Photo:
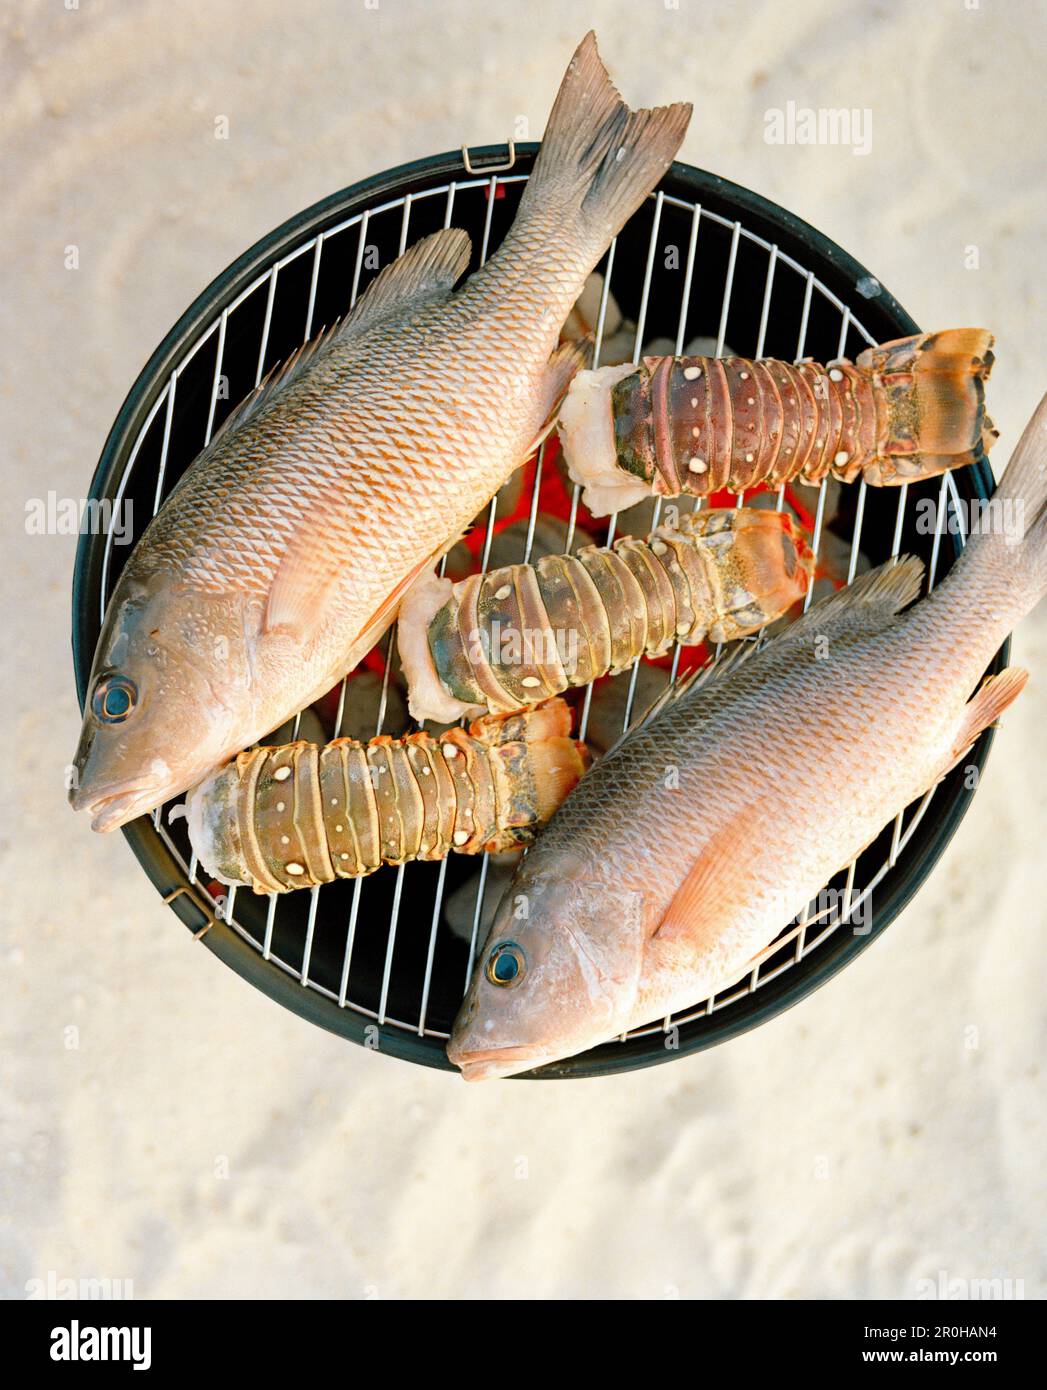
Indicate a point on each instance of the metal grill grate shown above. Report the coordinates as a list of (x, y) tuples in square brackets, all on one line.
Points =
[(381, 947)]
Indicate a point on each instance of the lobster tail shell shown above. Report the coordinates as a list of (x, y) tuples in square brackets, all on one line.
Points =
[(905, 410), (523, 633), (699, 424), (297, 815)]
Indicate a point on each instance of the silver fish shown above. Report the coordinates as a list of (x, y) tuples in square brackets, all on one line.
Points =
[(282, 554), (687, 849)]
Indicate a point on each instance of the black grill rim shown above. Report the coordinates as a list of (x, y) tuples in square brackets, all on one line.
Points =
[(883, 316)]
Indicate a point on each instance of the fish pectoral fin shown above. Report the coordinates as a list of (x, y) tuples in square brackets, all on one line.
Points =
[(688, 915), (301, 588), (986, 705), (560, 370), (684, 913), (425, 272), (305, 580)]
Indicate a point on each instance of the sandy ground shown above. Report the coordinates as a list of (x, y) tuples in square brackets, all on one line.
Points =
[(165, 1124)]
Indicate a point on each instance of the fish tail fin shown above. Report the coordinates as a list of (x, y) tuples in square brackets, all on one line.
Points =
[(599, 159), (933, 385), (1007, 548)]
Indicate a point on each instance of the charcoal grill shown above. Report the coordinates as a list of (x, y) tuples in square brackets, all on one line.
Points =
[(375, 960)]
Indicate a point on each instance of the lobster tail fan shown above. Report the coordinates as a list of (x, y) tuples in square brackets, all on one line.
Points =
[(933, 386)]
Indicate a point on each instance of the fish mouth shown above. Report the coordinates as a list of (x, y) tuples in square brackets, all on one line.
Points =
[(117, 805), (485, 1065)]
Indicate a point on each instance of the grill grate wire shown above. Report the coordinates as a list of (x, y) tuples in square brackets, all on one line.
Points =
[(949, 510)]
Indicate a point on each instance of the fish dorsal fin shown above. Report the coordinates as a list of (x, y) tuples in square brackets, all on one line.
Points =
[(690, 680), (672, 692), (868, 603), (279, 376), (713, 670), (426, 272)]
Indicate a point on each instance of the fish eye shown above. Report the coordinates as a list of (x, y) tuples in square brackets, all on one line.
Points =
[(505, 964), (113, 699)]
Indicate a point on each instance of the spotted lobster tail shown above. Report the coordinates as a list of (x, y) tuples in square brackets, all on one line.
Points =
[(671, 425), (931, 393), (599, 159), (521, 633), (296, 815)]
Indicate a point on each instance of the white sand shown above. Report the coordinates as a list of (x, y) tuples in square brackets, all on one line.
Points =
[(852, 1147)]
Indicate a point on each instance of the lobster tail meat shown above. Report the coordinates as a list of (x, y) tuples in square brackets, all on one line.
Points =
[(297, 815), (521, 633), (906, 410)]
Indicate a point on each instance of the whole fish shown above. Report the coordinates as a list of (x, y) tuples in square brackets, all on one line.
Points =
[(688, 848), (281, 556)]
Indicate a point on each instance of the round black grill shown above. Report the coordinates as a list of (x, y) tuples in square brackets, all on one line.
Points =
[(376, 960)]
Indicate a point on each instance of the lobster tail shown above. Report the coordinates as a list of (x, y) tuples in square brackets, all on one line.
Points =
[(931, 393), (521, 633), (671, 425), (297, 815)]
